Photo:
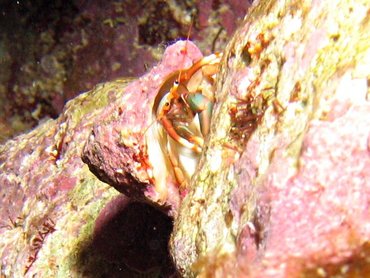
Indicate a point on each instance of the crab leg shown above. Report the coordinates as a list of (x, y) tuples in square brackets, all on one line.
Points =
[(194, 143), (175, 90), (202, 106), (213, 59), (198, 104)]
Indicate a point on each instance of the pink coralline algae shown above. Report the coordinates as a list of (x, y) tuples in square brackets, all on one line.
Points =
[(45, 181), (283, 188), (320, 213)]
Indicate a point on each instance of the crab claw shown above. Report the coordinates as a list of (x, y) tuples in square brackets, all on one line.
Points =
[(202, 106), (192, 142)]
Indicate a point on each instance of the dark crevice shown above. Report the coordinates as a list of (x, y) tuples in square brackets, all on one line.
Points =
[(130, 240)]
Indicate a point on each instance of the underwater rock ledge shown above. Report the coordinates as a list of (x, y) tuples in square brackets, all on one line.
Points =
[(283, 186), (51, 201), (282, 189)]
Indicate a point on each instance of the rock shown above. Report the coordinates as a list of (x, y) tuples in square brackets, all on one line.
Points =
[(51, 200), (283, 188)]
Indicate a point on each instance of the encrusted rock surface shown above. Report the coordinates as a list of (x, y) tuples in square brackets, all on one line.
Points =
[(283, 187), (283, 184), (51, 200)]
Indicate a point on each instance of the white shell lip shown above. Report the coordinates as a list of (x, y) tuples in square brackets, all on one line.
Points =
[(159, 144)]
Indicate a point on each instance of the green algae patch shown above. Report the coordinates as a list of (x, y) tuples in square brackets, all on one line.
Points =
[(88, 189), (55, 198), (61, 255), (92, 102)]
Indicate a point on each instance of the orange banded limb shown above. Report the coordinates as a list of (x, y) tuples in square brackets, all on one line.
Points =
[(190, 141), (209, 63)]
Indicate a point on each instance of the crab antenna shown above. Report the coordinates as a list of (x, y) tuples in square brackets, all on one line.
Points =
[(184, 52)]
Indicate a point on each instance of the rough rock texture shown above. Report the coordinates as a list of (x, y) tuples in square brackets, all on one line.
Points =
[(51, 201), (58, 218), (283, 188)]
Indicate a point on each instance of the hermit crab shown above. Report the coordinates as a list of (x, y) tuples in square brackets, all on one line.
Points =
[(182, 112)]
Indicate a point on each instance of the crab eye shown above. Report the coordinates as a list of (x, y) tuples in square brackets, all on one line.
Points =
[(166, 106), (176, 82)]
